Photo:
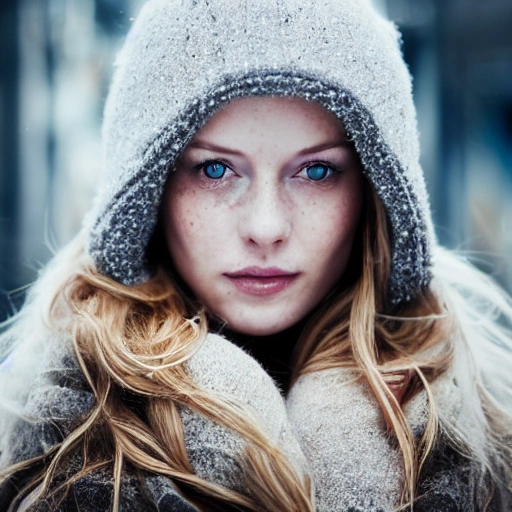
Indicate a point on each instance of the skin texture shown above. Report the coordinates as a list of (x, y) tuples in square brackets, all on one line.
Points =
[(263, 244)]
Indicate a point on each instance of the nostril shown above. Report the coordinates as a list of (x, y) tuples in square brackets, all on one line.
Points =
[(262, 241)]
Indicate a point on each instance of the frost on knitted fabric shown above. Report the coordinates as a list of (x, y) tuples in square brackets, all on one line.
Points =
[(214, 450), (354, 464), (184, 60)]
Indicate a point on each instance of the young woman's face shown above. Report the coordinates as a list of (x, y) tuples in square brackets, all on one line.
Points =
[(261, 211)]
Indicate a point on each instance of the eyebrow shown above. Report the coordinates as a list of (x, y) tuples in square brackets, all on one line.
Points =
[(199, 144), (343, 143)]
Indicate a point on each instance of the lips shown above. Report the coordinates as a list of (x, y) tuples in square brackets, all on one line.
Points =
[(261, 282)]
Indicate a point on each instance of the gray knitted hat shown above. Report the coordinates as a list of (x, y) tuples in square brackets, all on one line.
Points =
[(185, 59)]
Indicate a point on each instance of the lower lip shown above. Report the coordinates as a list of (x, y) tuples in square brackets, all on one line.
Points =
[(262, 286)]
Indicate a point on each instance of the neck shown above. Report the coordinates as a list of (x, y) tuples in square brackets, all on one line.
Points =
[(274, 352)]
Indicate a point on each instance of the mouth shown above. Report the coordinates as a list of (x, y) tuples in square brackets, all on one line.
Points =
[(261, 282)]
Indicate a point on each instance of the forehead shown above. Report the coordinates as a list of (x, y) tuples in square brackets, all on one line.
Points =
[(281, 119)]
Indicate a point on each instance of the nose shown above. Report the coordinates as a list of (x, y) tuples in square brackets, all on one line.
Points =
[(267, 218)]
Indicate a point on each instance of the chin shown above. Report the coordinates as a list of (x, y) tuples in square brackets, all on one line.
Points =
[(261, 328)]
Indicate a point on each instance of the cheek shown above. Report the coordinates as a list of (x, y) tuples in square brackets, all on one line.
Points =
[(180, 215), (194, 224), (332, 223), (183, 221), (334, 217), (348, 214)]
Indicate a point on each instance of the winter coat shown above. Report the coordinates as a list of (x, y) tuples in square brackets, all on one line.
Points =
[(354, 463), (60, 398)]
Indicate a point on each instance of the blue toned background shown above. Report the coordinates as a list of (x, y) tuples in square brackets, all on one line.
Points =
[(56, 59)]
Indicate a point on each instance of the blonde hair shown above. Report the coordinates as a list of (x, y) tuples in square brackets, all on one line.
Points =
[(138, 338), (134, 340)]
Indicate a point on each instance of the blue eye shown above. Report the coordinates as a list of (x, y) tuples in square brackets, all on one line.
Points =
[(214, 170), (318, 172)]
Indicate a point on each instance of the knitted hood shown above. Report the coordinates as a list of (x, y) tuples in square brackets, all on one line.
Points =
[(184, 59)]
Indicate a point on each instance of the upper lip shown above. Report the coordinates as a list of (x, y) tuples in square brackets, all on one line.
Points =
[(261, 272)]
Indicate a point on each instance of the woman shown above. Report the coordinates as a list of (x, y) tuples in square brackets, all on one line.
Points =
[(262, 182)]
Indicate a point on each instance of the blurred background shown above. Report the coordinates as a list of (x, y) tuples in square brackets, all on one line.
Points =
[(56, 60)]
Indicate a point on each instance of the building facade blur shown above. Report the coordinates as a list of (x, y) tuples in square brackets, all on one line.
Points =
[(56, 60)]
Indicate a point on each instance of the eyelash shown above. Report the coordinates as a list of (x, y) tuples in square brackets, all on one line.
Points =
[(329, 167), (203, 165)]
